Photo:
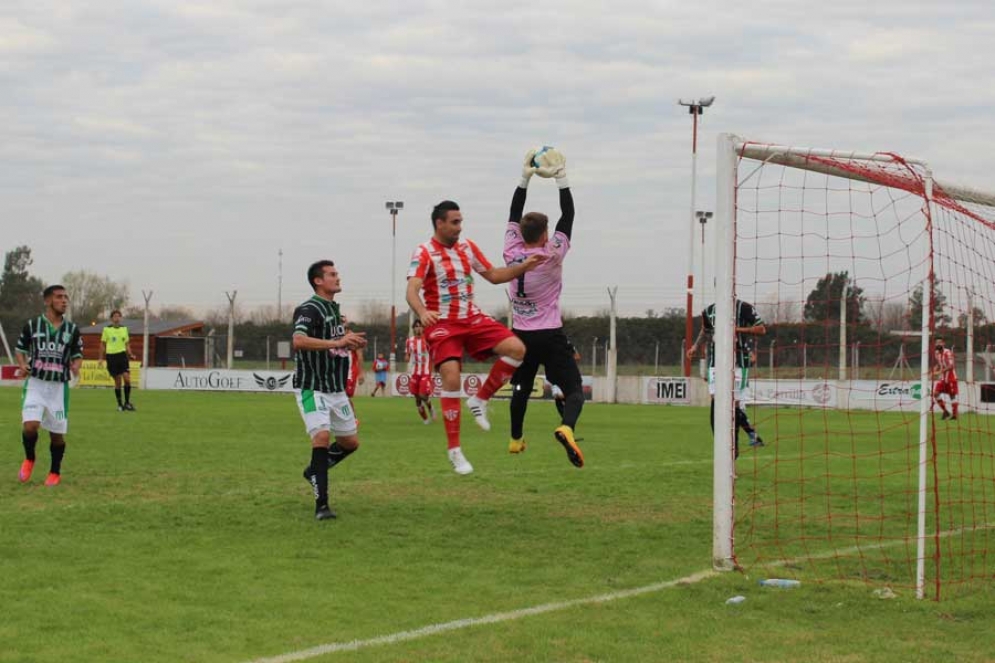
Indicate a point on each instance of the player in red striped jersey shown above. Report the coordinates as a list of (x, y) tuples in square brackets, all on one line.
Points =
[(442, 268), (945, 375), (420, 371)]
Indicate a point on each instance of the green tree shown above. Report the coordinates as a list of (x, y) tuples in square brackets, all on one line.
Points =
[(823, 303), (979, 318), (940, 316), (20, 293), (92, 297)]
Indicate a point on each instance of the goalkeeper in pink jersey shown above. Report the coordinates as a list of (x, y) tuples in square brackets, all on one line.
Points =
[(535, 304)]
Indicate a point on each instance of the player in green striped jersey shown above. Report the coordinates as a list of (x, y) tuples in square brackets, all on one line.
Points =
[(749, 325), (49, 350), (321, 352)]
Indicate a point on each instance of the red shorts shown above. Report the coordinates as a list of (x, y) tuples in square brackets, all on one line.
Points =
[(421, 385), (448, 339), (948, 387)]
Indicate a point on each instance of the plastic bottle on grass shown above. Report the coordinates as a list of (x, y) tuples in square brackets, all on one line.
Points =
[(735, 599), (779, 582)]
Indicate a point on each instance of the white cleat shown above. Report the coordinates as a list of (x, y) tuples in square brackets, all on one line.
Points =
[(478, 409), (460, 464)]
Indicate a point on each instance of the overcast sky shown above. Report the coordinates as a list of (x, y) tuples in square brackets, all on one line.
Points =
[(179, 145)]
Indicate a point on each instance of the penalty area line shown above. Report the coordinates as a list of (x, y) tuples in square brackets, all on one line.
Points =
[(434, 629)]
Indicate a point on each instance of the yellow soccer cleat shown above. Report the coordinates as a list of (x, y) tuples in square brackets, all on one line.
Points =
[(516, 446), (565, 436)]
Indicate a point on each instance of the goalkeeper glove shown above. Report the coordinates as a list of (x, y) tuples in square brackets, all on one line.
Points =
[(553, 164), (528, 170)]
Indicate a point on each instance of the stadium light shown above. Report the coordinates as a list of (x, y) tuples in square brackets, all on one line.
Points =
[(695, 108), (393, 206)]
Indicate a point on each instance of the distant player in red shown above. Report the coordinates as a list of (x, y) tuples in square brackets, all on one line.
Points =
[(380, 366), (355, 374), (420, 371), (443, 268), (945, 375)]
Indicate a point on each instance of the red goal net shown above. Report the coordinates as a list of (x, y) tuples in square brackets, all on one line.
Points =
[(878, 462)]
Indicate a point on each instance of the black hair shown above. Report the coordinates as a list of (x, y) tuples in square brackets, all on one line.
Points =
[(439, 211), (115, 311), (51, 289), (316, 270)]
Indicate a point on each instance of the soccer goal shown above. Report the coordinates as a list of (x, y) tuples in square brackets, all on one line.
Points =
[(858, 263)]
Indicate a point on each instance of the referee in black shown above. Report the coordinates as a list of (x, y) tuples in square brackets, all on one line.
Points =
[(321, 352)]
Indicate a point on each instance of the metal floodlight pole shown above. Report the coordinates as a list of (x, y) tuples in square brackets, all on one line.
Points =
[(703, 218), (393, 206), (695, 108), (279, 285)]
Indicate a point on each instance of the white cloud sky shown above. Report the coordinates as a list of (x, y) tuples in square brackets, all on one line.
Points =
[(179, 145)]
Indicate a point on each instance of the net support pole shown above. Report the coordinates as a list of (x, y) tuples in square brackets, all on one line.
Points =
[(725, 255), (843, 333), (927, 397), (969, 349)]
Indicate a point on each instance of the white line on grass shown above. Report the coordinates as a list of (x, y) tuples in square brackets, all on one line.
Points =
[(434, 629)]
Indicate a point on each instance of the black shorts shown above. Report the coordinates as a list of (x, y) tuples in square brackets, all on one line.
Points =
[(117, 364), (552, 349)]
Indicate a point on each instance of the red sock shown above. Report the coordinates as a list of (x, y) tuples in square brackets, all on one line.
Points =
[(451, 412), (943, 406), (422, 413), (955, 406), (501, 372)]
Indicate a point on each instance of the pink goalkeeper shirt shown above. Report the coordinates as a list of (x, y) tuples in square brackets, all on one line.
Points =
[(535, 295)]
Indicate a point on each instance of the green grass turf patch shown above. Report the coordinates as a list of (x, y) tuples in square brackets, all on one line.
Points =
[(184, 532)]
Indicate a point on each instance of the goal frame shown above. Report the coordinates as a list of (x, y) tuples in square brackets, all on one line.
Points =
[(732, 151)]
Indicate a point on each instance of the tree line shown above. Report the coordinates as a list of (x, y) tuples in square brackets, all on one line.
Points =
[(647, 340)]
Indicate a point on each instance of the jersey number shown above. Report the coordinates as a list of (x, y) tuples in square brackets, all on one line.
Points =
[(521, 287)]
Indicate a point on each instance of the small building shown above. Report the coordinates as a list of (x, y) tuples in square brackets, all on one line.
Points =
[(171, 342)]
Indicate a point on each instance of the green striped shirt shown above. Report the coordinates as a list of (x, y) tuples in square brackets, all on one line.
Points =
[(746, 316), (50, 350), (320, 370)]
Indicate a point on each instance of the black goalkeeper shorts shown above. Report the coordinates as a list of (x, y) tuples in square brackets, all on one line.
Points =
[(552, 349)]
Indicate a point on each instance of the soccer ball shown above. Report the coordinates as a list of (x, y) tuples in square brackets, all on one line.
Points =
[(540, 151)]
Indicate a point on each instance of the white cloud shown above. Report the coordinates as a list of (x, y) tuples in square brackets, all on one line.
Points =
[(207, 135)]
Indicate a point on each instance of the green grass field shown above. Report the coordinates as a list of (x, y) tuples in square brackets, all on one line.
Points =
[(184, 532)]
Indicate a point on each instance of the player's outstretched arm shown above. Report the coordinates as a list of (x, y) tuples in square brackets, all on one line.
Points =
[(566, 223), (497, 275), (753, 330), (518, 198)]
